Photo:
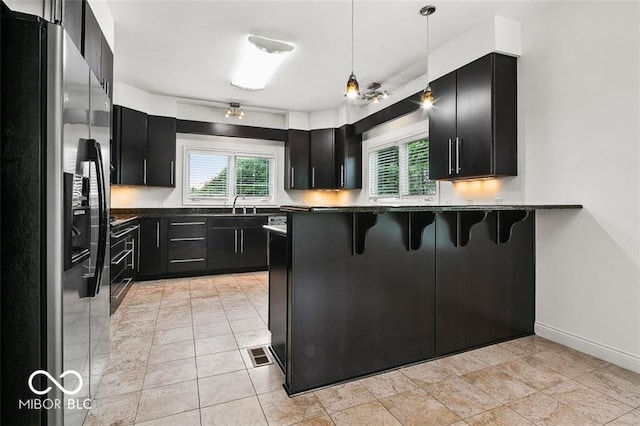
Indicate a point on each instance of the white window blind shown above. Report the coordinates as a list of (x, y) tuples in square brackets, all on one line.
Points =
[(415, 169), (254, 176), (208, 176), (384, 172)]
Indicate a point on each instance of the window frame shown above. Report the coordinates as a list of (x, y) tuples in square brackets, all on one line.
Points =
[(403, 167), (228, 200)]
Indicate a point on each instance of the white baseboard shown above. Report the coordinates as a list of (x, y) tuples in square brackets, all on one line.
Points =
[(598, 350)]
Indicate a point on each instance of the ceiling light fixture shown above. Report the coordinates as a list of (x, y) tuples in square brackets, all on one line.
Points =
[(234, 110), (259, 58), (353, 89), (374, 93), (427, 99)]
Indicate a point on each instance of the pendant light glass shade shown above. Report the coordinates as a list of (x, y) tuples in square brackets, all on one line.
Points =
[(353, 88), (427, 99)]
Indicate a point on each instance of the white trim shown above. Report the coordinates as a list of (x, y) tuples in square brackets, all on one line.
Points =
[(604, 352)]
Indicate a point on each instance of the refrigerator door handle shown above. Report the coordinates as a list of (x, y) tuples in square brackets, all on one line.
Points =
[(95, 155)]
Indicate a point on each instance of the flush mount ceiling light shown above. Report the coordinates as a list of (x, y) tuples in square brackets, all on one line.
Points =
[(353, 89), (234, 110), (259, 58), (427, 99), (374, 93)]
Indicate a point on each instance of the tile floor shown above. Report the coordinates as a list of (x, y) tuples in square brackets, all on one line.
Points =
[(177, 358)]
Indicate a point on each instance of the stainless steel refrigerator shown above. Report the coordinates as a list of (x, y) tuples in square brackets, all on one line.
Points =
[(54, 185)]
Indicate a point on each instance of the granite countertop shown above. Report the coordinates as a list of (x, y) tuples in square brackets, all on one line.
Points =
[(276, 229), (127, 214), (434, 208)]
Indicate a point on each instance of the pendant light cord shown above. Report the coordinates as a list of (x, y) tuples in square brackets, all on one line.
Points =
[(427, 50), (352, 36)]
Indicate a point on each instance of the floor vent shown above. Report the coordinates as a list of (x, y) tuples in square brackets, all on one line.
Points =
[(259, 357)]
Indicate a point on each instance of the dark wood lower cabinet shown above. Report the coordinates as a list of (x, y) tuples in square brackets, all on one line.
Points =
[(278, 296), (253, 247), (153, 247), (223, 246)]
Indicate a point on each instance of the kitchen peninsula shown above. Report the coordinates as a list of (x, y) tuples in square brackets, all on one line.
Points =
[(361, 289)]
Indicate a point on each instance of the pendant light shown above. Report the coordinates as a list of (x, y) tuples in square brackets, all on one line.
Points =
[(353, 89), (427, 99)]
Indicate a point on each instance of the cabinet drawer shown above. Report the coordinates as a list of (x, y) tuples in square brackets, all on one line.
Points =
[(189, 228), (223, 222), (187, 243), (187, 260), (252, 222)]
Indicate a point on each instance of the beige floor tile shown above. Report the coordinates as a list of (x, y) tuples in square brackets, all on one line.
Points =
[(224, 387), (208, 316), (189, 418), (250, 339), (282, 410), (532, 372), (493, 355), (247, 324), (461, 397), (593, 404), (543, 409), (414, 406), (629, 419), (120, 382), (429, 372), (220, 363), (119, 409), (498, 384), (237, 314), (167, 400), (530, 345), (206, 303), (174, 318), (128, 343), (167, 373), (138, 328), (212, 345), (173, 335), (202, 331), (501, 416), (570, 364), (128, 360), (372, 413), (341, 397), (174, 303), (387, 384), (171, 352), (198, 292), (317, 421), (616, 382), (140, 314), (463, 363), (246, 412), (267, 378)]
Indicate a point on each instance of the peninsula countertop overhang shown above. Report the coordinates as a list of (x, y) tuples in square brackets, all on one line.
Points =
[(433, 208)]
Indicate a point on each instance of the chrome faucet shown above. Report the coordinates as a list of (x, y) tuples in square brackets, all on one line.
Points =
[(233, 209)]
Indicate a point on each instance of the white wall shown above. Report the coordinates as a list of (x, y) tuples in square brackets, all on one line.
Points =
[(579, 88)]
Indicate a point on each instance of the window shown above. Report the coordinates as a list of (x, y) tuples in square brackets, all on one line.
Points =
[(401, 170), (217, 177)]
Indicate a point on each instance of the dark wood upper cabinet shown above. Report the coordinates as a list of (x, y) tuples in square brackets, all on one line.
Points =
[(161, 151), (321, 158), (348, 158), (296, 174), (92, 43), (473, 125), (130, 146), (73, 20), (107, 68)]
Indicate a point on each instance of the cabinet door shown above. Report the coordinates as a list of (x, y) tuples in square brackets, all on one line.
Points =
[(107, 68), (72, 21), (297, 159), (223, 246), (161, 151), (130, 136), (348, 158), (442, 128), (153, 247), (92, 45), (253, 248), (278, 295), (474, 118), (321, 159)]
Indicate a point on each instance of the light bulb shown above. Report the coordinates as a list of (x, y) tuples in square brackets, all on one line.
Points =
[(427, 100), (375, 100), (353, 89), (385, 95)]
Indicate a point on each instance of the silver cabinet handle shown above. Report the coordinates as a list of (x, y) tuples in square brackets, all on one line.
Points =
[(242, 241), (126, 282), (450, 163), (199, 259), (171, 176), (458, 143), (292, 177), (138, 252), (125, 232), (158, 234), (235, 242), (186, 223), (123, 255), (144, 168), (188, 239), (133, 254), (313, 177), (342, 175)]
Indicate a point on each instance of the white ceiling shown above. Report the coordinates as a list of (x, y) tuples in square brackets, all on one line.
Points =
[(187, 49)]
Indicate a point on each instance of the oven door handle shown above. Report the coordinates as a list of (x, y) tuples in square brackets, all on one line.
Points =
[(94, 154)]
